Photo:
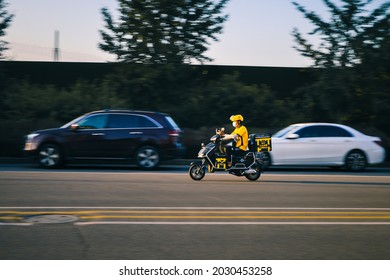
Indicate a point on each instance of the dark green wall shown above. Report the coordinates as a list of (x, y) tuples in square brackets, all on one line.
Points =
[(282, 80)]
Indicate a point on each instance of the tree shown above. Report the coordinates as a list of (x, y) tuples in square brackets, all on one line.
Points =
[(5, 21), (353, 63), (347, 36), (162, 31)]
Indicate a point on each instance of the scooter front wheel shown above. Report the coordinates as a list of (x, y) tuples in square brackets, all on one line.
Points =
[(197, 172)]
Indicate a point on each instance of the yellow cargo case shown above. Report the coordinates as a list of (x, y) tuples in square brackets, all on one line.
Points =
[(260, 142)]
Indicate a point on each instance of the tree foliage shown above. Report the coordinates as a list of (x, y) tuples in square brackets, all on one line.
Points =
[(353, 61), (162, 31), (349, 34), (5, 21)]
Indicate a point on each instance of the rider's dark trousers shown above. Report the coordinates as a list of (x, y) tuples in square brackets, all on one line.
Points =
[(233, 151)]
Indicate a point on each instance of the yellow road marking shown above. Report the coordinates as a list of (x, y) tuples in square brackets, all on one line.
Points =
[(201, 214), (185, 212), (11, 218), (234, 217)]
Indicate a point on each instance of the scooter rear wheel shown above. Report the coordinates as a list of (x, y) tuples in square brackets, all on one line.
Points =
[(254, 176), (197, 172)]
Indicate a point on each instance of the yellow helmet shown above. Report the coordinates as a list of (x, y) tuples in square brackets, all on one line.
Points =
[(235, 118)]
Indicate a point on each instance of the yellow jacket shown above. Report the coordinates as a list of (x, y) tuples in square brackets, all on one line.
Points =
[(242, 139)]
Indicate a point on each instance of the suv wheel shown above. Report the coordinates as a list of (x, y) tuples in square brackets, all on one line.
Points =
[(49, 156), (147, 157)]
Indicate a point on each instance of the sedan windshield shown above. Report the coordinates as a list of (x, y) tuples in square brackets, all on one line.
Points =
[(284, 131)]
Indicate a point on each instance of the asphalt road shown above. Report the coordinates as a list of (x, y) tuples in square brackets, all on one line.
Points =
[(89, 212)]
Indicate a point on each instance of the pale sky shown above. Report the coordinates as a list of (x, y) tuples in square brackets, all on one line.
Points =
[(258, 32)]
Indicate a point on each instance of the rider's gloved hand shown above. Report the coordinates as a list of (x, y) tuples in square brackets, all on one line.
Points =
[(220, 131)]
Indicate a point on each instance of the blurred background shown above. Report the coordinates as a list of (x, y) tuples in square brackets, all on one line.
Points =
[(164, 62)]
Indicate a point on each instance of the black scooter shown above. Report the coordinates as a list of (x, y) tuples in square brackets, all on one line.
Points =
[(214, 158)]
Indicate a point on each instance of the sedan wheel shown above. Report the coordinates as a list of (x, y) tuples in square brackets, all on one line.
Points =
[(265, 159), (147, 157), (49, 156), (356, 161)]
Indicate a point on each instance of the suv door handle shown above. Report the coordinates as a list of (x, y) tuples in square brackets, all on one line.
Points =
[(135, 132), (97, 134)]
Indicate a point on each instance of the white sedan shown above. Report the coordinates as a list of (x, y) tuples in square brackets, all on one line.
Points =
[(324, 144)]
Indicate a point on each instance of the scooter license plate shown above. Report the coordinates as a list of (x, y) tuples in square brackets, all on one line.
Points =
[(220, 163)]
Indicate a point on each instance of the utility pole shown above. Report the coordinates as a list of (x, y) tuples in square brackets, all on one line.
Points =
[(56, 45)]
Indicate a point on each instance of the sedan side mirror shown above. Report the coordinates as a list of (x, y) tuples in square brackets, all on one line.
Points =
[(292, 136), (74, 126)]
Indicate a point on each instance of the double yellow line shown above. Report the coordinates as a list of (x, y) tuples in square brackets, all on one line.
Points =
[(95, 215)]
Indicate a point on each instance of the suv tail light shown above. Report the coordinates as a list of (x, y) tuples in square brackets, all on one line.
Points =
[(174, 133)]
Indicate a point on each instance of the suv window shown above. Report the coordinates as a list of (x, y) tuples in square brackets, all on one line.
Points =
[(323, 131), (93, 122), (130, 121), (172, 122)]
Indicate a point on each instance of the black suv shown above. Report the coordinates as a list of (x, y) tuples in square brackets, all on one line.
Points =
[(147, 137)]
